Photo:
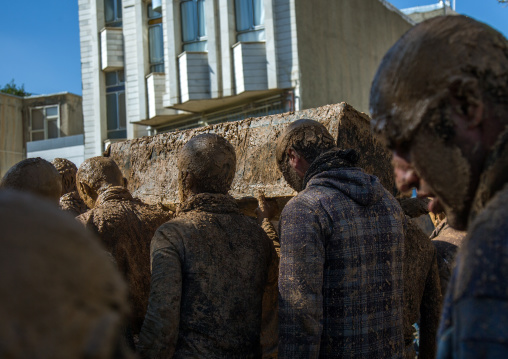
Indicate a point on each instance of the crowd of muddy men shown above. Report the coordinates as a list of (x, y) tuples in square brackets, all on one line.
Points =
[(89, 271)]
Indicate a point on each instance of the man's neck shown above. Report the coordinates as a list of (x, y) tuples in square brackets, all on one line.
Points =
[(494, 176)]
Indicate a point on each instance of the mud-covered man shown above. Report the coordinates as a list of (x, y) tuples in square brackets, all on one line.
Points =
[(61, 295), (340, 279), (211, 266), (70, 201), (440, 101), (124, 225)]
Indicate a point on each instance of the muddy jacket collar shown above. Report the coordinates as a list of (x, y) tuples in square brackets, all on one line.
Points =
[(335, 158), (114, 193), (210, 202)]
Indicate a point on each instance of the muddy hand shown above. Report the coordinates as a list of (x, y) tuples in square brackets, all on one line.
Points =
[(265, 209)]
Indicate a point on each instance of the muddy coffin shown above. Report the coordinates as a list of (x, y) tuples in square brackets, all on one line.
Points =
[(149, 163)]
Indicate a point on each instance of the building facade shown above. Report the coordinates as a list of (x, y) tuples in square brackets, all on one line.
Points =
[(46, 126), (152, 66)]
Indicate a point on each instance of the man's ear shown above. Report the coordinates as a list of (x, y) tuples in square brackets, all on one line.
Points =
[(467, 102), (293, 157), (297, 162), (190, 182), (88, 192)]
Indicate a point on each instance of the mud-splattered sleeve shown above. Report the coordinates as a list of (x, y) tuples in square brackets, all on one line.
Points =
[(159, 334), (430, 312), (301, 281), (271, 233)]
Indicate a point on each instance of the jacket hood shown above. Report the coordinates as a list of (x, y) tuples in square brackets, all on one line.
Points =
[(332, 170)]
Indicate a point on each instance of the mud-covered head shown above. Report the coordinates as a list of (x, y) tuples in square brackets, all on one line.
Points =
[(61, 295), (95, 175), (436, 91), (441, 56), (207, 163), (309, 139), (34, 175), (67, 170)]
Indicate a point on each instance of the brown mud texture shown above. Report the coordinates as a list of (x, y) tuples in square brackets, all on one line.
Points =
[(149, 163), (422, 290), (125, 227), (447, 242)]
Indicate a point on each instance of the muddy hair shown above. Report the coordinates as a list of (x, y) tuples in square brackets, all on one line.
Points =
[(67, 170), (34, 175), (307, 137), (99, 172), (211, 160)]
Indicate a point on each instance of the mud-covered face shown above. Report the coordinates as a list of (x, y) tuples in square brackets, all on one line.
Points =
[(87, 194), (437, 168), (294, 181)]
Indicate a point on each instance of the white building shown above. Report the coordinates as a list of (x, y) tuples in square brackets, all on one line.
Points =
[(157, 65)]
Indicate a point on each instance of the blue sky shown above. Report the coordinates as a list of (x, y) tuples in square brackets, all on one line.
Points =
[(39, 39)]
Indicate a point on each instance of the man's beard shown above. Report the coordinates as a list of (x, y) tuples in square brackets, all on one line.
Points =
[(292, 179)]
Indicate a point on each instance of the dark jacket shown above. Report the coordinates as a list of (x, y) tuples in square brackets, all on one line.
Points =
[(125, 227), (474, 323), (211, 268), (340, 280), (422, 292)]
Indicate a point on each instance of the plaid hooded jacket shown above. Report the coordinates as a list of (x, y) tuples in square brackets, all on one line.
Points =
[(340, 279)]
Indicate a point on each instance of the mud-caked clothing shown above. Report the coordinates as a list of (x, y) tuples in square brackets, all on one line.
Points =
[(72, 203), (422, 292), (474, 323), (447, 242), (125, 227), (341, 267), (211, 268)]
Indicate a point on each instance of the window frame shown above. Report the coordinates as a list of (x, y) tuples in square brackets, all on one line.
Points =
[(46, 119), (117, 89), (198, 39), (252, 27), (155, 21), (117, 14)]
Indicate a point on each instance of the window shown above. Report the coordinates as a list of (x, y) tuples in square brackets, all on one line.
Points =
[(193, 25), (155, 40), (115, 104), (113, 12), (44, 123), (250, 20)]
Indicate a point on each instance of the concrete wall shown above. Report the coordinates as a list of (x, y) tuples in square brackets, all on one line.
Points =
[(340, 45), (250, 66), (70, 147), (194, 76), (12, 148)]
